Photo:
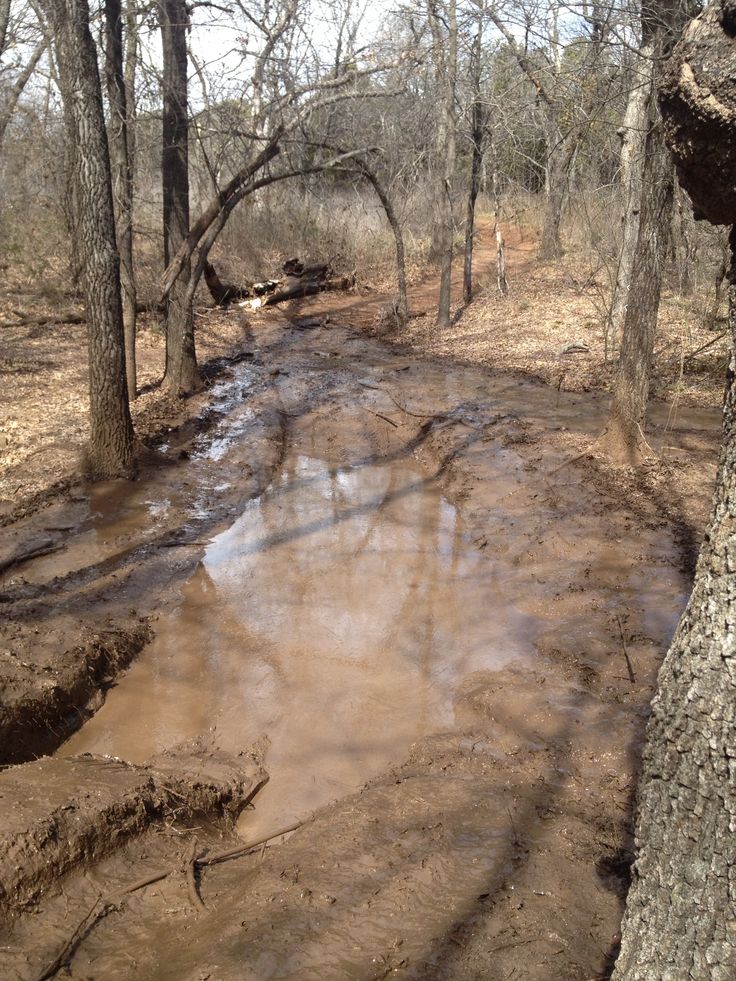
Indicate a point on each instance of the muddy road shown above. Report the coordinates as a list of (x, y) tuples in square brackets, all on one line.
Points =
[(380, 583)]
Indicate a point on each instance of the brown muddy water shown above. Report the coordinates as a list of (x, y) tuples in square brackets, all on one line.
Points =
[(334, 619), (428, 597), (338, 619)]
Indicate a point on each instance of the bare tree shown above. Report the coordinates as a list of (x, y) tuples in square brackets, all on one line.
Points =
[(478, 124), (640, 278), (442, 17), (110, 451), (12, 97), (122, 178), (182, 374), (567, 97)]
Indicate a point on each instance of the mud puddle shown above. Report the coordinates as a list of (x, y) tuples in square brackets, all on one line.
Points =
[(335, 618), (428, 593)]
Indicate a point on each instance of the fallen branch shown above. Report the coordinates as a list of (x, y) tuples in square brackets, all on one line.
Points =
[(629, 666), (704, 347), (379, 415), (98, 912), (29, 320), (415, 415), (226, 293), (39, 320), (299, 287), (244, 849), (103, 906)]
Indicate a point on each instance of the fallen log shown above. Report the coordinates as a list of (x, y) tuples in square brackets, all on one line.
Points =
[(300, 279), (296, 288), (296, 269), (226, 293)]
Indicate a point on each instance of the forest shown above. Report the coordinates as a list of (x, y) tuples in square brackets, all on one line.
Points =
[(368, 489)]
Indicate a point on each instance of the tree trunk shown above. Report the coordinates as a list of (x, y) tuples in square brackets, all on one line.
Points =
[(476, 136), (182, 375), (122, 178), (110, 452), (684, 251), (501, 280), (393, 220), (70, 198), (624, 438), (633, 137), (560, 153), (711, 317), (445, 52), (679, 920)]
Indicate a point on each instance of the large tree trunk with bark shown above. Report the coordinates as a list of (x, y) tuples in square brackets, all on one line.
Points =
[(122, 179), (624, 439), (110, 451), (182, 374), (679, 920)]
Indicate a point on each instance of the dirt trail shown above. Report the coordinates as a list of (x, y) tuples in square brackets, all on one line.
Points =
[(499, 839), (357, 565)]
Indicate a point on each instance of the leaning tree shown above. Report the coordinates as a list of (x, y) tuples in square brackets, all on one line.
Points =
[(680, 920)]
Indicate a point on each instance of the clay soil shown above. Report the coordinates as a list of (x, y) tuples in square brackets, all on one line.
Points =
[(496, 847)]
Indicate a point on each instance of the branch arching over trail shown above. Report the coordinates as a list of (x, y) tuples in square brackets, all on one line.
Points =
[(225, 200)]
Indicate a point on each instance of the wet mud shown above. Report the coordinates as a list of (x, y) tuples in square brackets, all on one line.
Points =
[(438, 634)]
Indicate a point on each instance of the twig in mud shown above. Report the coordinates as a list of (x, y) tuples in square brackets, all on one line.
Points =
[(243, 849), (104, 906), (378, 415), (416, 415), (629, 667), (191, 869), (98, 912), (176, 544)]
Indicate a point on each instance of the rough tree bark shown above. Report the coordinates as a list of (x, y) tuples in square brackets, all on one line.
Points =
[(110, 451), (561, 149), (633, 144), (182, 374), (623, 439), (122, 179), (679, 921)]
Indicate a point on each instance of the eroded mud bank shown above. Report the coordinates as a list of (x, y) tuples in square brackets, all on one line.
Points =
[(426, 595)]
